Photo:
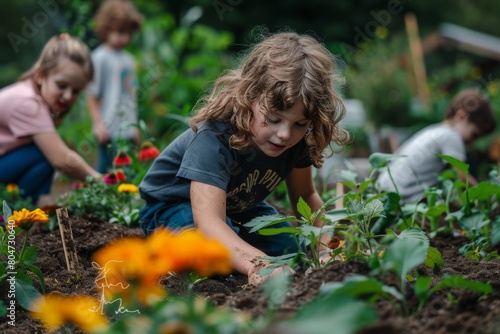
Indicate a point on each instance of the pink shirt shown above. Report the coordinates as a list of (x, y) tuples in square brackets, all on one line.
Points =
[(23, 113)]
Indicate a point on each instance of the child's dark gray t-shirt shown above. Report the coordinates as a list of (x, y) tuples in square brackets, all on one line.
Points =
[(248, 176)]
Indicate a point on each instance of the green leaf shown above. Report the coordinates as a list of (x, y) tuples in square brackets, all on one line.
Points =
[(495, 231), (336, 214), (474, 222), (342, 313), (279, 230), (379, 160), (307, 230), (3, 309), (422, 285), (7, 212), (415, 233), (304, 209), (404, 254), (264, 221), (360, 286), (373, 209), (275, 289), (436, 211), (484, 191), (29, 255), (460, 165), (26, 294), (434, 258), (460, 282), (34, 269)]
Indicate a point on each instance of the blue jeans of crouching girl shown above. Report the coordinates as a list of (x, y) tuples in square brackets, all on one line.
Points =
[(27, 167), (180, 215)]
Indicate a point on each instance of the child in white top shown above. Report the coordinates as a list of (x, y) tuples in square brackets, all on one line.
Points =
[(468, 117)]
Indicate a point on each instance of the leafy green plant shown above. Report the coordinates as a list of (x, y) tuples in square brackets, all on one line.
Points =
[(405, 252), (17, 263), (360, 240), (12, 194), (305, 230), (103, 200), (424, 291)]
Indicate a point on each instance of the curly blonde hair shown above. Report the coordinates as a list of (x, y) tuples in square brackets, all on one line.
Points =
[(116, 15), (279, 71)]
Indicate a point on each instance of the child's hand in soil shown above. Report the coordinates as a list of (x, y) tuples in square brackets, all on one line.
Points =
[(254, 278)]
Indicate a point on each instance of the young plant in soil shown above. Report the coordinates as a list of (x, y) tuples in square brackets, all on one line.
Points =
[(307, 234), (403, 255)]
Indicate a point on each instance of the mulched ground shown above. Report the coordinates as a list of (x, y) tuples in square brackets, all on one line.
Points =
[(467, 314)]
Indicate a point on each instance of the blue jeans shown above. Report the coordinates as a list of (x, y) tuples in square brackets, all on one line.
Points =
[(180, 215), (104, 157), (27, 167)]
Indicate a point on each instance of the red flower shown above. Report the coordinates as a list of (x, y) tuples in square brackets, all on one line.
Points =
[(122, 159), (148, 151), (110, 178), (114, 177)]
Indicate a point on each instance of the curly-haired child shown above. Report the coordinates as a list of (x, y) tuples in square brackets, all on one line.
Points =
[(265, 122)]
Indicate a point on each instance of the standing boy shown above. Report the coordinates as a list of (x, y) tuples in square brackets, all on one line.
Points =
[(111, 97)]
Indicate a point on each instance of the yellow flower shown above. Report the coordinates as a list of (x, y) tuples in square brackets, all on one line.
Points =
[(128, 188), (55, 310), (25, 218)]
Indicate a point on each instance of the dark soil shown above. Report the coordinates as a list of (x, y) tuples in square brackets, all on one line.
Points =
[(467, 314)]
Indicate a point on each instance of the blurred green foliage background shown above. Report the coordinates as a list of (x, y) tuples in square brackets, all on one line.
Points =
[(185, 45)]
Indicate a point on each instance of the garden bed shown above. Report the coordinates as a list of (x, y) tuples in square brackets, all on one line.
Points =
[(452, 311)]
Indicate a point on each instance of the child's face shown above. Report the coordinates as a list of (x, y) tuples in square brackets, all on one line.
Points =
[(284, 129), (61, 87), (118, 39), (469, 131)]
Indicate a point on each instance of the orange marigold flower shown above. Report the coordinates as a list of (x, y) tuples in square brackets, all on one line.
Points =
[(55, 310), (121, 260), (12, 188), (25, 218), (194, 252), (148, 151), (122, 159), (128, 271), (128, 188)]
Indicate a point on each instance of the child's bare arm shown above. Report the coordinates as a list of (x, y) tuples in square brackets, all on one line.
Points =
[(94, 106), (209, 212), (62, 158)]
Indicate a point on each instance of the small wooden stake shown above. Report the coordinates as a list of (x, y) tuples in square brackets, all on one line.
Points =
[(67, 239), (417, 57), (339, 191)]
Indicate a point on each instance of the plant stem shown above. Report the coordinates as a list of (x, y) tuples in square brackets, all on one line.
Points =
[(25, 242), (392, 180)]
